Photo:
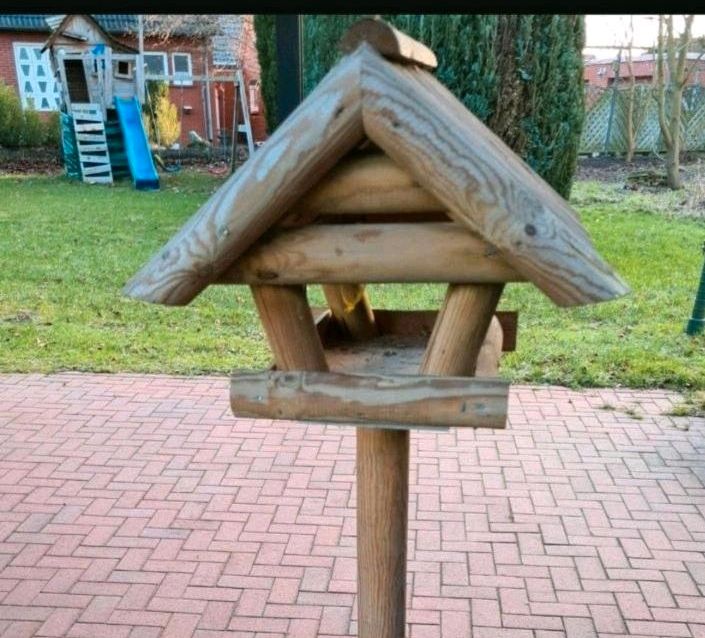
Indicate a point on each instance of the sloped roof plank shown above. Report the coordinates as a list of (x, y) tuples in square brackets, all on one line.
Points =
[(484, 184), (324, 127)]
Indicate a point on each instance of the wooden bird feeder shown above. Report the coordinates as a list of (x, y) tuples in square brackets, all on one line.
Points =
[(381, 175)]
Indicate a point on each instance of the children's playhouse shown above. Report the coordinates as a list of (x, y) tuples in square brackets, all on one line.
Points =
[(102, 131)]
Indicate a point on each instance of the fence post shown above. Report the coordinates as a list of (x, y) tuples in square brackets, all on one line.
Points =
[(617, 66)]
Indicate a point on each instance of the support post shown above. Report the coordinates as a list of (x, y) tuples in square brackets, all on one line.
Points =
[(289, 326), (382, 514), (139, 71), (351, 308), (209, 108), (490, 351), (460, 329), (383, 467)]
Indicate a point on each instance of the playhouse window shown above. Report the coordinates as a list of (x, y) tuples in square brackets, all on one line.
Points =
[(155, 66), (123, 69), (183, 75)]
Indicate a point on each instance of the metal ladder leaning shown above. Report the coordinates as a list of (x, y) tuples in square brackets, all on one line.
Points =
[(91, 143)]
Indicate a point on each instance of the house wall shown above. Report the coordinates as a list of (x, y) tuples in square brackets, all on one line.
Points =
[(221, 92), (8, 73), (181, 96), (601, 74)]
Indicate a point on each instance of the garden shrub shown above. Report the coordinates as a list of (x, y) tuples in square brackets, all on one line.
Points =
[(168, 123), (267, 54), (11, 117), (52, 129), (25, 127), (520, 74), (34, 130), (163, 123)]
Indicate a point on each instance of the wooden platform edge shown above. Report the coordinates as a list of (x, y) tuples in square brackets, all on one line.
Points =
[(387, 400), (407, 323)]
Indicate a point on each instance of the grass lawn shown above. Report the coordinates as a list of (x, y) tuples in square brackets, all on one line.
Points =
[(66, 249)]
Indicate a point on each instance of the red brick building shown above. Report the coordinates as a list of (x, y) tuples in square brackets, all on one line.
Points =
[(200, 69), (602, 73)]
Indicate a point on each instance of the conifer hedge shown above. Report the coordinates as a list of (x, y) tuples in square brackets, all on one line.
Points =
[(520, 74)]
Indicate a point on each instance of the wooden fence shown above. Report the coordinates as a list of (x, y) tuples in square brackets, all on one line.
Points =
[(605, 128)]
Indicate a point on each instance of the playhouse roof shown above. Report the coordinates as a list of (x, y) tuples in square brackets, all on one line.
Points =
[(62, 31), (398, 105), (115, 23)]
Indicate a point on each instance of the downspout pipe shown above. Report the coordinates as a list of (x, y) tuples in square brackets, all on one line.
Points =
[(696, 325)]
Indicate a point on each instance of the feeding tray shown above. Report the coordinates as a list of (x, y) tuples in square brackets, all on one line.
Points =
[(376, 381)]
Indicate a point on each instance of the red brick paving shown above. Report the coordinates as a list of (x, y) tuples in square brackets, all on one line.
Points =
[(136, 506)]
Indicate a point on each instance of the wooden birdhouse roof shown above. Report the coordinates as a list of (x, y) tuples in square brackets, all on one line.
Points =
[(383, 92)]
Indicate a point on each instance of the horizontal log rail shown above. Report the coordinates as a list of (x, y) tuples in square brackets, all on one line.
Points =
[(371, 253), (371, 399)]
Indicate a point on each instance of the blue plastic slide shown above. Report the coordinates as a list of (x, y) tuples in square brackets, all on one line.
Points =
[(139, 155)]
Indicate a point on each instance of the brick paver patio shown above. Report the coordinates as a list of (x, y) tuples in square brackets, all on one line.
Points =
[(135, 506)]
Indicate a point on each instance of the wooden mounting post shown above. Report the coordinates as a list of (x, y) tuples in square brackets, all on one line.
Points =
[(383, 466), (491, 350), (382, 513), (288, 324), (460, 329), (351, 307)]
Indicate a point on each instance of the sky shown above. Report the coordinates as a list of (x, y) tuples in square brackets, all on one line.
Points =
[(611, 30)]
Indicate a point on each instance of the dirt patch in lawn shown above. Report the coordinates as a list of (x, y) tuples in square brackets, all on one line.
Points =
[(609, 169)]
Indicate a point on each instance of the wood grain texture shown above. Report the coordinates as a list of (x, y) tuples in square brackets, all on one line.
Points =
[(491, 350), (389, 42), (361, 184), (373, 399), (382, 515), (289, 326), (483, 184), (460, 329), (325, 126), (352, 253), (351, 308)]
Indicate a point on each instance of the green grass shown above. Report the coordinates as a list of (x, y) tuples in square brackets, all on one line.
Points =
[(66, 250)]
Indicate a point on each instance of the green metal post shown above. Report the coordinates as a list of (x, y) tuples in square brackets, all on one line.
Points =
[(697, 322)]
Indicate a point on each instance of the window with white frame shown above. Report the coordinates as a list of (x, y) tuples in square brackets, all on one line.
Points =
[(155, 65), (37, 86), (122, 69), (183, 73)]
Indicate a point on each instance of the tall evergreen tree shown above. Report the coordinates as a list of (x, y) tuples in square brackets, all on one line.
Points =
[(521, 75)]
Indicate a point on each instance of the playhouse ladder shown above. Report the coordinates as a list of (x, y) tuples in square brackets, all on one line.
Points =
[(92, 143), (246, 127)]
